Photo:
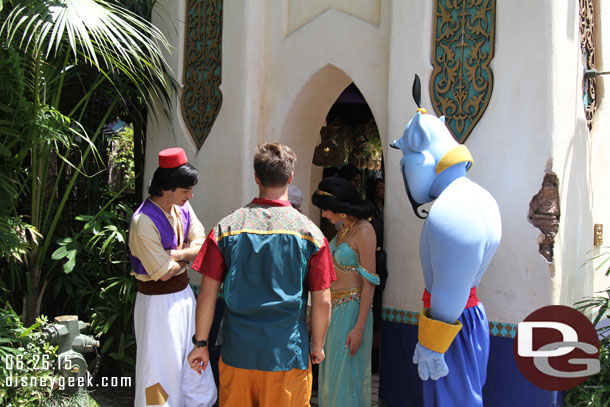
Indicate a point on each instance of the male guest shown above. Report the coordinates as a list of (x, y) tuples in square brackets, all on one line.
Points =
[(269, 257)]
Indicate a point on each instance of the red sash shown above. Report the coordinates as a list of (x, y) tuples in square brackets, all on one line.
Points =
[(472, 299)]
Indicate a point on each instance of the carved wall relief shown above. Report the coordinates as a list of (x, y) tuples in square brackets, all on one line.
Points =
[(544, 214), (463, 47), (201, 96), (587, 48)]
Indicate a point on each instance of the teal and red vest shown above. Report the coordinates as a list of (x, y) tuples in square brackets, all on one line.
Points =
[(268, 256)]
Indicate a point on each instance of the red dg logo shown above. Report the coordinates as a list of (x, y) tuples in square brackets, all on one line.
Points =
[(556, 348)]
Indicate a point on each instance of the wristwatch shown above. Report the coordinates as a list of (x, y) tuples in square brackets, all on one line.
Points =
[(199, 344)]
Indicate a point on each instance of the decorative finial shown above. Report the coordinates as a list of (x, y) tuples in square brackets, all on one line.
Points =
[(417, 91)]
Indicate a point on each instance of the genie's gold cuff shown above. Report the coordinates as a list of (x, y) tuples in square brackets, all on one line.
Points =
[(434, 334)]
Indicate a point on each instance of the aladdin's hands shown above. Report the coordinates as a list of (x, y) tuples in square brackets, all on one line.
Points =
[(176, 255), (354, 340), (198, 359), (430, 364)]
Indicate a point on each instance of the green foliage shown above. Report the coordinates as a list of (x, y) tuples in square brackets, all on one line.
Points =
[(26, 374), (72, 400), (27, 377), (97, 280), (112, 321), (121, 161), (64, 76), (595, 391), (16, 238)]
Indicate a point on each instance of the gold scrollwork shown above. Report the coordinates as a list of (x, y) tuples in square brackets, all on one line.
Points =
[(587, 47), (201, 97), (463, 47)]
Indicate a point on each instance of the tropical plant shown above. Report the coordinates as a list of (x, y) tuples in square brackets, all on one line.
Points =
[(114, 325), (26, 373), (595, 391), (99, 282), (121, 165), (69, 60)]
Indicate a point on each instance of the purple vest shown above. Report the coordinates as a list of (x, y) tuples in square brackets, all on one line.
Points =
[(168, 237)]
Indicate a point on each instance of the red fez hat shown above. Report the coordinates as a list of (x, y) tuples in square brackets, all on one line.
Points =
[(172, 157)]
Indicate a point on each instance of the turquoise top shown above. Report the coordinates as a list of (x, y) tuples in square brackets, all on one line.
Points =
[(344, 255)]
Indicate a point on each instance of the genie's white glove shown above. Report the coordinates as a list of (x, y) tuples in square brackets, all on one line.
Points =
[(430, 364)]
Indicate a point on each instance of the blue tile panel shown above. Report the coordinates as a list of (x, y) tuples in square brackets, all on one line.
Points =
[(410, 317)]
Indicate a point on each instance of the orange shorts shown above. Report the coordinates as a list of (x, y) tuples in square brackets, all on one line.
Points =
[(258, 388)]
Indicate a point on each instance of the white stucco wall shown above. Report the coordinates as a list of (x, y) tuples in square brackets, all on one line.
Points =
[(224, 161), (281, 73), (410, 54), (307, 70), (600, 149), (277, 86), (571, 158)]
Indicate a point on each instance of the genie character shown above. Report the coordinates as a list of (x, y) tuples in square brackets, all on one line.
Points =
[(460, 235)]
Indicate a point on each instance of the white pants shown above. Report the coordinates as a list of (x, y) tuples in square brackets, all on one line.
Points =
[(164, 326)]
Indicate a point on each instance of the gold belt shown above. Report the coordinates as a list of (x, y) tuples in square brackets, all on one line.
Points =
[(340, 297), (345, 269)]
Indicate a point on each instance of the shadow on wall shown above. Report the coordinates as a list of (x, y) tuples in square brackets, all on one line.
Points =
[(302, 124), (576, 228)]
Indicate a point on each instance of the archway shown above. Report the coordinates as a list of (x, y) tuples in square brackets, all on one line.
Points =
[(330, 93), (302, 124), (351, 148), (331, 108)]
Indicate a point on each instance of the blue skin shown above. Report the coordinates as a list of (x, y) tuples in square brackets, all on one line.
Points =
[(460, 234)]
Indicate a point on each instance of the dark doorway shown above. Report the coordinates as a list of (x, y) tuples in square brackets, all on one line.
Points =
[(351, 144)]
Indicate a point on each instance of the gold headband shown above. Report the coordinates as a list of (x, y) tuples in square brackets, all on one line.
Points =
[(324, 193), (456, 155)]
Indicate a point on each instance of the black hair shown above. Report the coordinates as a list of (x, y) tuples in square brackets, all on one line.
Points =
[(340, 196), (166, 179), (371, 190), (349, 171), (330, 172)]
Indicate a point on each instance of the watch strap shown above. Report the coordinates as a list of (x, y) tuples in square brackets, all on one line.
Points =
[(199, 344)]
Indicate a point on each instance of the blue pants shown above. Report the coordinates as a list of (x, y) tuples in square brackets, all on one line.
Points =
[(467, 361)]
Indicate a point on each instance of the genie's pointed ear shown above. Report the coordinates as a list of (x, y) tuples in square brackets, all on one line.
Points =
[(417, 135), (442, 119)]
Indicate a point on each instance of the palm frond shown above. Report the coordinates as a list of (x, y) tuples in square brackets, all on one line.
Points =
[(95, 32)]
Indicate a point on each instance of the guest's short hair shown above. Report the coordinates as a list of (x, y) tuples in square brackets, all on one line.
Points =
[(274, 164), (166, 179)]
